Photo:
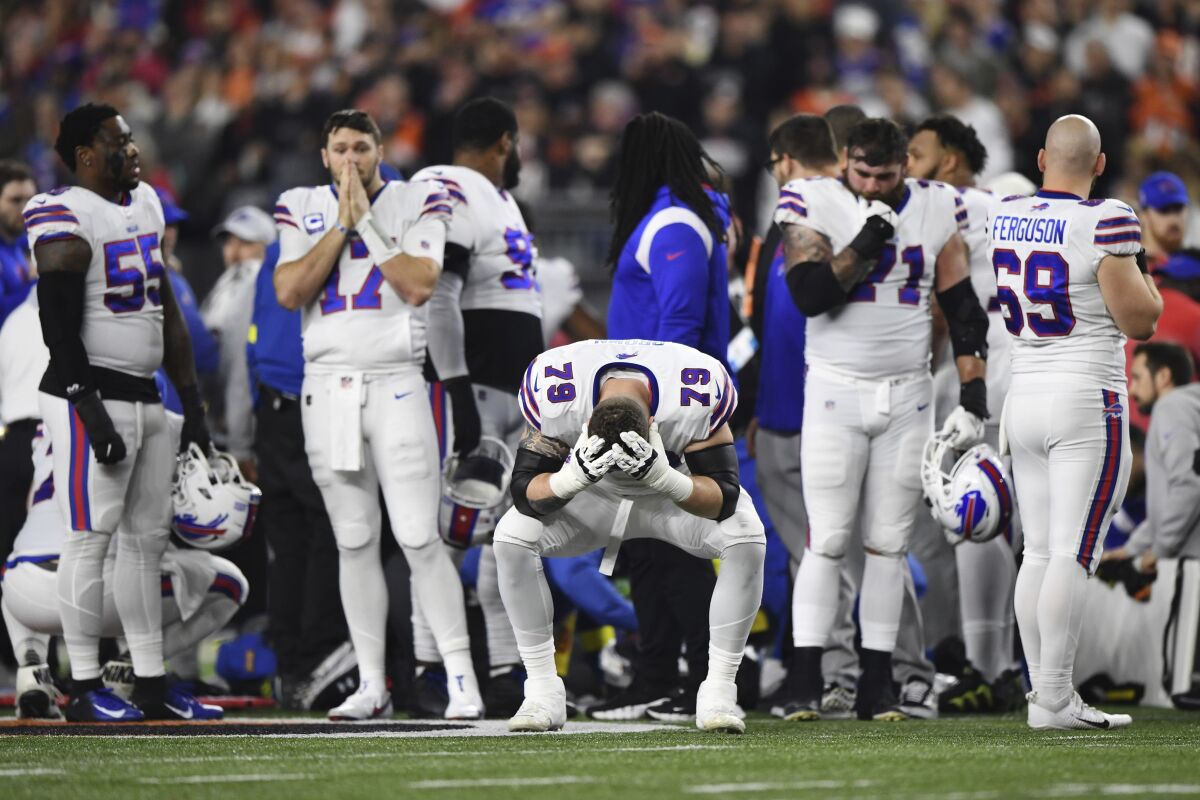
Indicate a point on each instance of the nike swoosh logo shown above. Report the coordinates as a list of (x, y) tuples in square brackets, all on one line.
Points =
[(623, 356), (1101, 725), (185, 714), (922, 406), (110, 714), (403, 395), (675, 255)]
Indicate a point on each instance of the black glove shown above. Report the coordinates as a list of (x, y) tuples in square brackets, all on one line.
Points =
[(195, 428), (972, 396), (875, 234), (467, 428), (107, 444), (1138, 585)]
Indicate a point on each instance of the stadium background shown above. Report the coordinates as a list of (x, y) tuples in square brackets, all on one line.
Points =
[(226, 97)]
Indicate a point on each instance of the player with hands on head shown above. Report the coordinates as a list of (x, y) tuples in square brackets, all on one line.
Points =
[(109, 319), (863, 259), (361, 259), (637, 402)]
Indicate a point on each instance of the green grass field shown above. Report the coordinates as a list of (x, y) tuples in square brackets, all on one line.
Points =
[(952, 759)]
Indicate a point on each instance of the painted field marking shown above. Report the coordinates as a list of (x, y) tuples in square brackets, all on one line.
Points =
[(261, 778), (23, 773), (469, 783), (735, 788)]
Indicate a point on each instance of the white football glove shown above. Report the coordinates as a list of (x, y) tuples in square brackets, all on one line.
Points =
[(878, 208), (962, 429), (646, 461), (588, 463)]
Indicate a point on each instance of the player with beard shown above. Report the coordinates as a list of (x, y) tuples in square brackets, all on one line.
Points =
[(867, 397), (946, 149), (109, 319), (485, 327), (361, 257)]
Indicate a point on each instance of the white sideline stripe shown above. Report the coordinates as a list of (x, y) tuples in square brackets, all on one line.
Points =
[(1119, 789), (262, 778), (733, 788), (557, 780), (22, 773)]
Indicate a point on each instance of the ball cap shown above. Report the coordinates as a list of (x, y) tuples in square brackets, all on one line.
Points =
[(1183, 266), (1161, 190), (248, 223)]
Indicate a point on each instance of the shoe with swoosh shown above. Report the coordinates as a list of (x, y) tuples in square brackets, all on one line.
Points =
[(180, 705), (1076, 715), (101, 705)]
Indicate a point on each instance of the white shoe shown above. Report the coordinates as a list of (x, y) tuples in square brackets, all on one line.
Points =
[(717, 708), (544, 709), (118, 676), (37, 696), (1075, 715), (369, 702), (465, 701)]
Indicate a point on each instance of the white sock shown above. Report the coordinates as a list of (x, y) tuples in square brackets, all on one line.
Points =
[(722, 664), (814, 599), (501, 641), (736, 597), (527, 600), (1025, 600), (1060, 617), (881, 601), (365, 602), (987, 573), (424, 645), (81, 599)]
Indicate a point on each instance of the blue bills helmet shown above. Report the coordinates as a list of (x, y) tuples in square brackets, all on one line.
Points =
[(475, 493), (214, 506), (974, 500)]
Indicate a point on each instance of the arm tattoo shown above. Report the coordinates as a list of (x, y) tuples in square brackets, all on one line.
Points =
[(850, 268), (802, 244), (548, 505), (534, 441)]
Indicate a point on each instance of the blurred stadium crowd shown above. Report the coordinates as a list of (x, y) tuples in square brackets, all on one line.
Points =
[(227, 96)]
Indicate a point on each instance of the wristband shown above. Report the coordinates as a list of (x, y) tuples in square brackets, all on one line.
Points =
[(973, 397), (342, 229), (378, 243), (675, 485), (566, 484)]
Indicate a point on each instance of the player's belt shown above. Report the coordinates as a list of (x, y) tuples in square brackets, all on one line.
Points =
[(278, 399)]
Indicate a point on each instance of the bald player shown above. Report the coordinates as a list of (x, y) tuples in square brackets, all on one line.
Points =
[(1072, 284)]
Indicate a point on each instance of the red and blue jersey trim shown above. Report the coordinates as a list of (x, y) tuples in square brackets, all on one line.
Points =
[(792, 201), (437, 405), (528, 397), (1106, 484), (227, 585), (726, 406), (462, 525), (283, 216)]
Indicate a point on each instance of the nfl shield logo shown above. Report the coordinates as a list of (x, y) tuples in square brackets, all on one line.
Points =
[(830, 405), (347, 381)]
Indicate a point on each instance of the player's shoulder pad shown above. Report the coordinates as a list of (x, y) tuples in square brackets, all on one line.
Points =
[(1117, 228), (726, 399), (57, 214), (945, 196), (457, 180), (1012, 197), (801, 200)]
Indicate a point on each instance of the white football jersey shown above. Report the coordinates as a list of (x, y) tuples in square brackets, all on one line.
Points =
[(691, 394), (884, 328), (358, 321), (1046, 251), (43, 531), (488, 223), (122, 312)]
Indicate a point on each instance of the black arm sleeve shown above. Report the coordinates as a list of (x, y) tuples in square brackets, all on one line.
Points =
[(814, 288), (60, 307), (967, 320), (527, 466), (457, 260), (719, 463)]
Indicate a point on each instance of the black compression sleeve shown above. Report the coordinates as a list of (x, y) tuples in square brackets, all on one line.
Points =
[(527, 466), (457, 260), (814, 288), (967, 320), (60, 307), (719, 463)]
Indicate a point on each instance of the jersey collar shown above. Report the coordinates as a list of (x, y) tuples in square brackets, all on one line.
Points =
[(598, 381), (1051, 194), (904, 200)]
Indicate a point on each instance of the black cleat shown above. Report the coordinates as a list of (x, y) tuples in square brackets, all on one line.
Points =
[(505, 691)]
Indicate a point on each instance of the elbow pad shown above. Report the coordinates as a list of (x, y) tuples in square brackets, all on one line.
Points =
[(719, 463), (60, 308), (814, 288), (527, 466), (967, 320)]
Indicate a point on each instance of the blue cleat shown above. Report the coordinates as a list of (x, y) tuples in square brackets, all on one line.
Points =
[(101, 705), (180, 704)]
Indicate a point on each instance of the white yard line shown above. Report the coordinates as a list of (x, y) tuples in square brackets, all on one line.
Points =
[(473, 783), (262, 778), (737, 788), (22, 773), (1118, 789)]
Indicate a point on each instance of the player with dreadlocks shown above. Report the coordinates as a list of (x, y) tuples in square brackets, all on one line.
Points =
[(668, 254)]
